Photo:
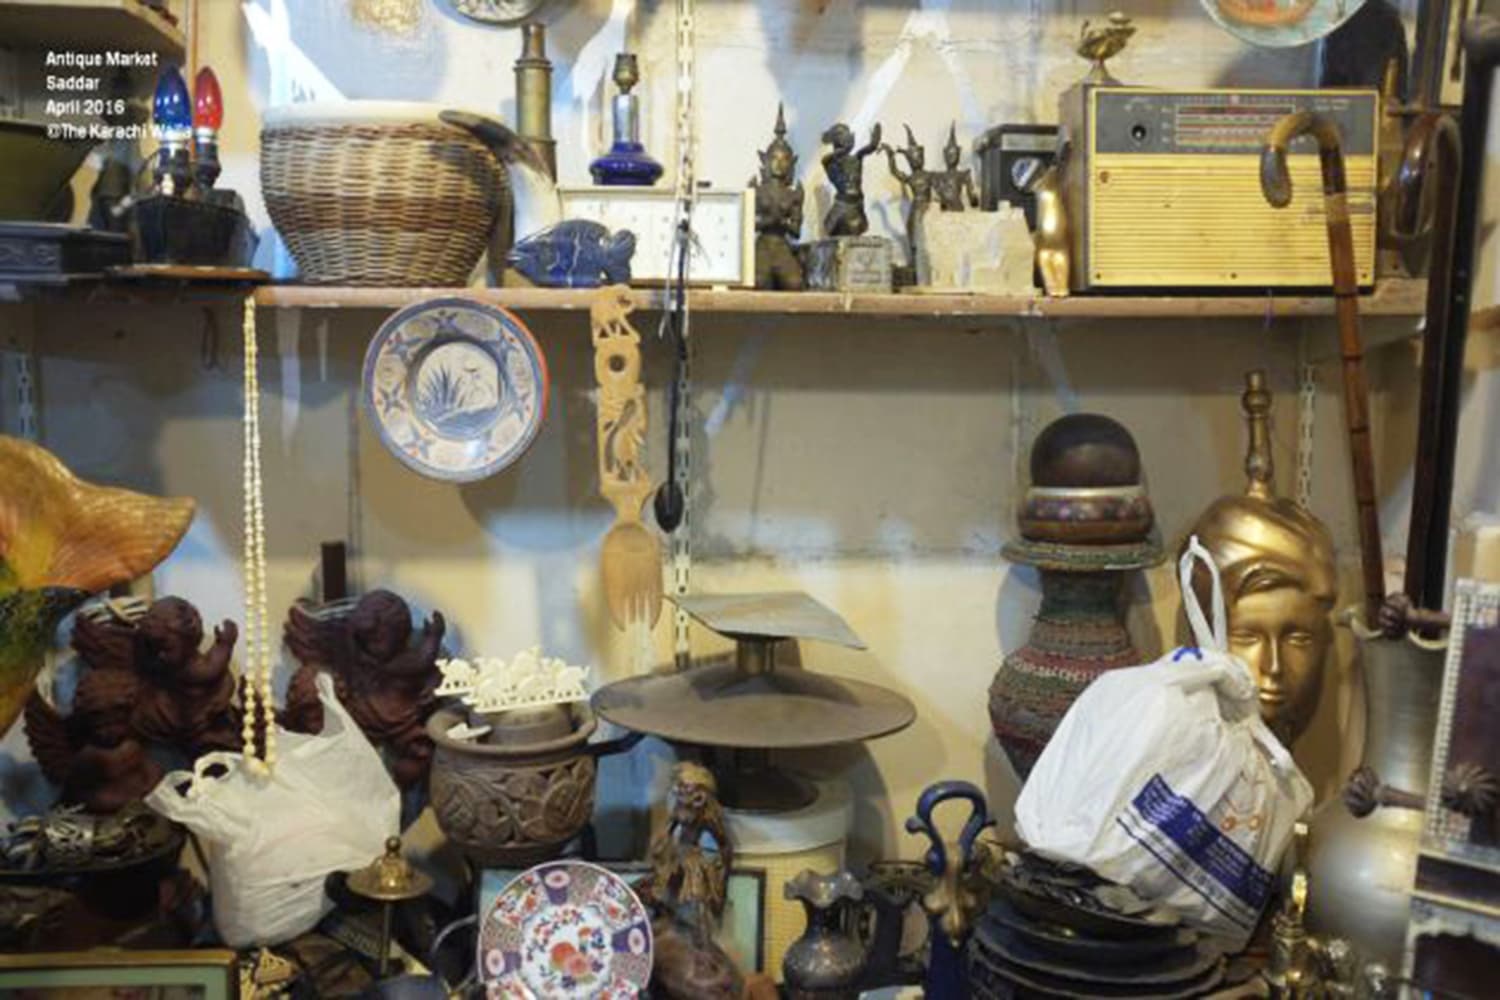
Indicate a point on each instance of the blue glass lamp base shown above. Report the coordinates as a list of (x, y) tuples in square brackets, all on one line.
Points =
[(626, 164)]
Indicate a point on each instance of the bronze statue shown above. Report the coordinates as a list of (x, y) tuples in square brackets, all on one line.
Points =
[(916, 182), (954, 188), (1276, 562), (384, 678), (188, 697), (845, 167), (92, 754), (778, 214), (687, 889)]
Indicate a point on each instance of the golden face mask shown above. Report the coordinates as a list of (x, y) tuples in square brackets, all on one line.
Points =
[(1276, 562)]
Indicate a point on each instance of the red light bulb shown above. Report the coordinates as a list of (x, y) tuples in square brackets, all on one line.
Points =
[(208, 101)]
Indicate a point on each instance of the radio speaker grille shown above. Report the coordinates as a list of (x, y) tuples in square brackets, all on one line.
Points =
[(1190, 220)]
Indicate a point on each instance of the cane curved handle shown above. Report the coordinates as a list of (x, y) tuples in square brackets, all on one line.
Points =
[(1276, 180), (1481, 40), (1430, 157)]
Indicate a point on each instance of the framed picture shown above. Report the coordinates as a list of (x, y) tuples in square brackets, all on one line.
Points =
[(1453, 936), (741, 931), (120, 975), (1465, 752)]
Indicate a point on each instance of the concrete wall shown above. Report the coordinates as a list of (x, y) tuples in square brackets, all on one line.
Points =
[(875, 464)]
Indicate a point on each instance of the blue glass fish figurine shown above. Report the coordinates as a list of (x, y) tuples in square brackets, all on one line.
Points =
[(575, 254)]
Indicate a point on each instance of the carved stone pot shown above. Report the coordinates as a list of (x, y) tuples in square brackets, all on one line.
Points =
[(517, 796), (1361, 871)]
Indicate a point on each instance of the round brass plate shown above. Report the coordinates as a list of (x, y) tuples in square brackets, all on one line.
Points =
[(720, 705)]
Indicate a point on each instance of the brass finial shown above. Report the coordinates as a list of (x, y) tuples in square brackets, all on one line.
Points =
[(1297, 899), (1260, 467), (1099, 42), (389, 878), (533, 41), (627, 72)]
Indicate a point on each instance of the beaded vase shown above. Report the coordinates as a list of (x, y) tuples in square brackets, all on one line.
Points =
[(1078, 634)]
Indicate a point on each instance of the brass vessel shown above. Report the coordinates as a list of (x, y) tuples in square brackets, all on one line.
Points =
[(534, 95), (1363, 868), (1277, 565)]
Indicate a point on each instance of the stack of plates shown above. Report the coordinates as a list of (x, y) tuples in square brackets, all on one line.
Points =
[(1061, 932)]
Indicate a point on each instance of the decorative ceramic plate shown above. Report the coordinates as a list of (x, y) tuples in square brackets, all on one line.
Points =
[(565, 930), (498, 11), (1280, 23), (456, 389)]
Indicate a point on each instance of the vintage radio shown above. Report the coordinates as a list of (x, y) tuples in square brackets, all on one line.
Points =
[(1163, 188)]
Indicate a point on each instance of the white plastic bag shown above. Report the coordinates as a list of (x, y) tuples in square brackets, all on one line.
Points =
[(328, 805), (1165, 779)]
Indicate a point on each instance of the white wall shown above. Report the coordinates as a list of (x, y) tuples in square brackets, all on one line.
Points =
[(873, 463)]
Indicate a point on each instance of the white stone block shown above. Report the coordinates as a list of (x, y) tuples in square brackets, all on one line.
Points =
[(989, 252)]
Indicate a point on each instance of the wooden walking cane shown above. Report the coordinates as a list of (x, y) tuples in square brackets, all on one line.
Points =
[(1481, 40), (1276, 185), (1435, 150), (1430, 162)]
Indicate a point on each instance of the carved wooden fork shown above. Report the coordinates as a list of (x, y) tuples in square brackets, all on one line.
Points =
[(630, 561)]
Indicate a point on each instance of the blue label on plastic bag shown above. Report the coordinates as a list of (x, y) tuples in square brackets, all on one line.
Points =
[(1185, 841)]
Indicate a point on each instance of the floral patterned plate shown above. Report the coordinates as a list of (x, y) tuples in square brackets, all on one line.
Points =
[(1280, 23), (456, 389), (565, 930)]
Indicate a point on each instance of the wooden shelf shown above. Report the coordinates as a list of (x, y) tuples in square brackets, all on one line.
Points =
[(91, 25), (1392, 298), (1486, 320)]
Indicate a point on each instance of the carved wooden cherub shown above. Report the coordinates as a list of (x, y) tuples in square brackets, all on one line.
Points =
[(384, 678), (187, 694), (92, 754)]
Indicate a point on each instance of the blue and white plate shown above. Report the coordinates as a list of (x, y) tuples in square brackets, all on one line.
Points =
[(456, 389)]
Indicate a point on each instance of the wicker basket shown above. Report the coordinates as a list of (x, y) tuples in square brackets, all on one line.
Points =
[(370, 193)]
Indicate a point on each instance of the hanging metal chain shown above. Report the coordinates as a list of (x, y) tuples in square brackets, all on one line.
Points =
[(677, 311), (1307, 409), (26, 411)]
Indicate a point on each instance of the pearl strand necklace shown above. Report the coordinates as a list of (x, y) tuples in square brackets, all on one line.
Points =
[(257, 672)]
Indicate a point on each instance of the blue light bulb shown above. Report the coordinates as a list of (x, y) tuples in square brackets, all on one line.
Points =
[(172, 107)]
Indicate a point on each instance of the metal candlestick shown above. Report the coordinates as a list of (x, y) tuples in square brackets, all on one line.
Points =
[(389, 879)]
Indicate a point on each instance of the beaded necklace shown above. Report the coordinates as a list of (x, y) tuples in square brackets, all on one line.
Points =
[(256, 683)]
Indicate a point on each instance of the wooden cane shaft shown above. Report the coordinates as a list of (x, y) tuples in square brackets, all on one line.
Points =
[(1356, 392), (1431, 161)]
